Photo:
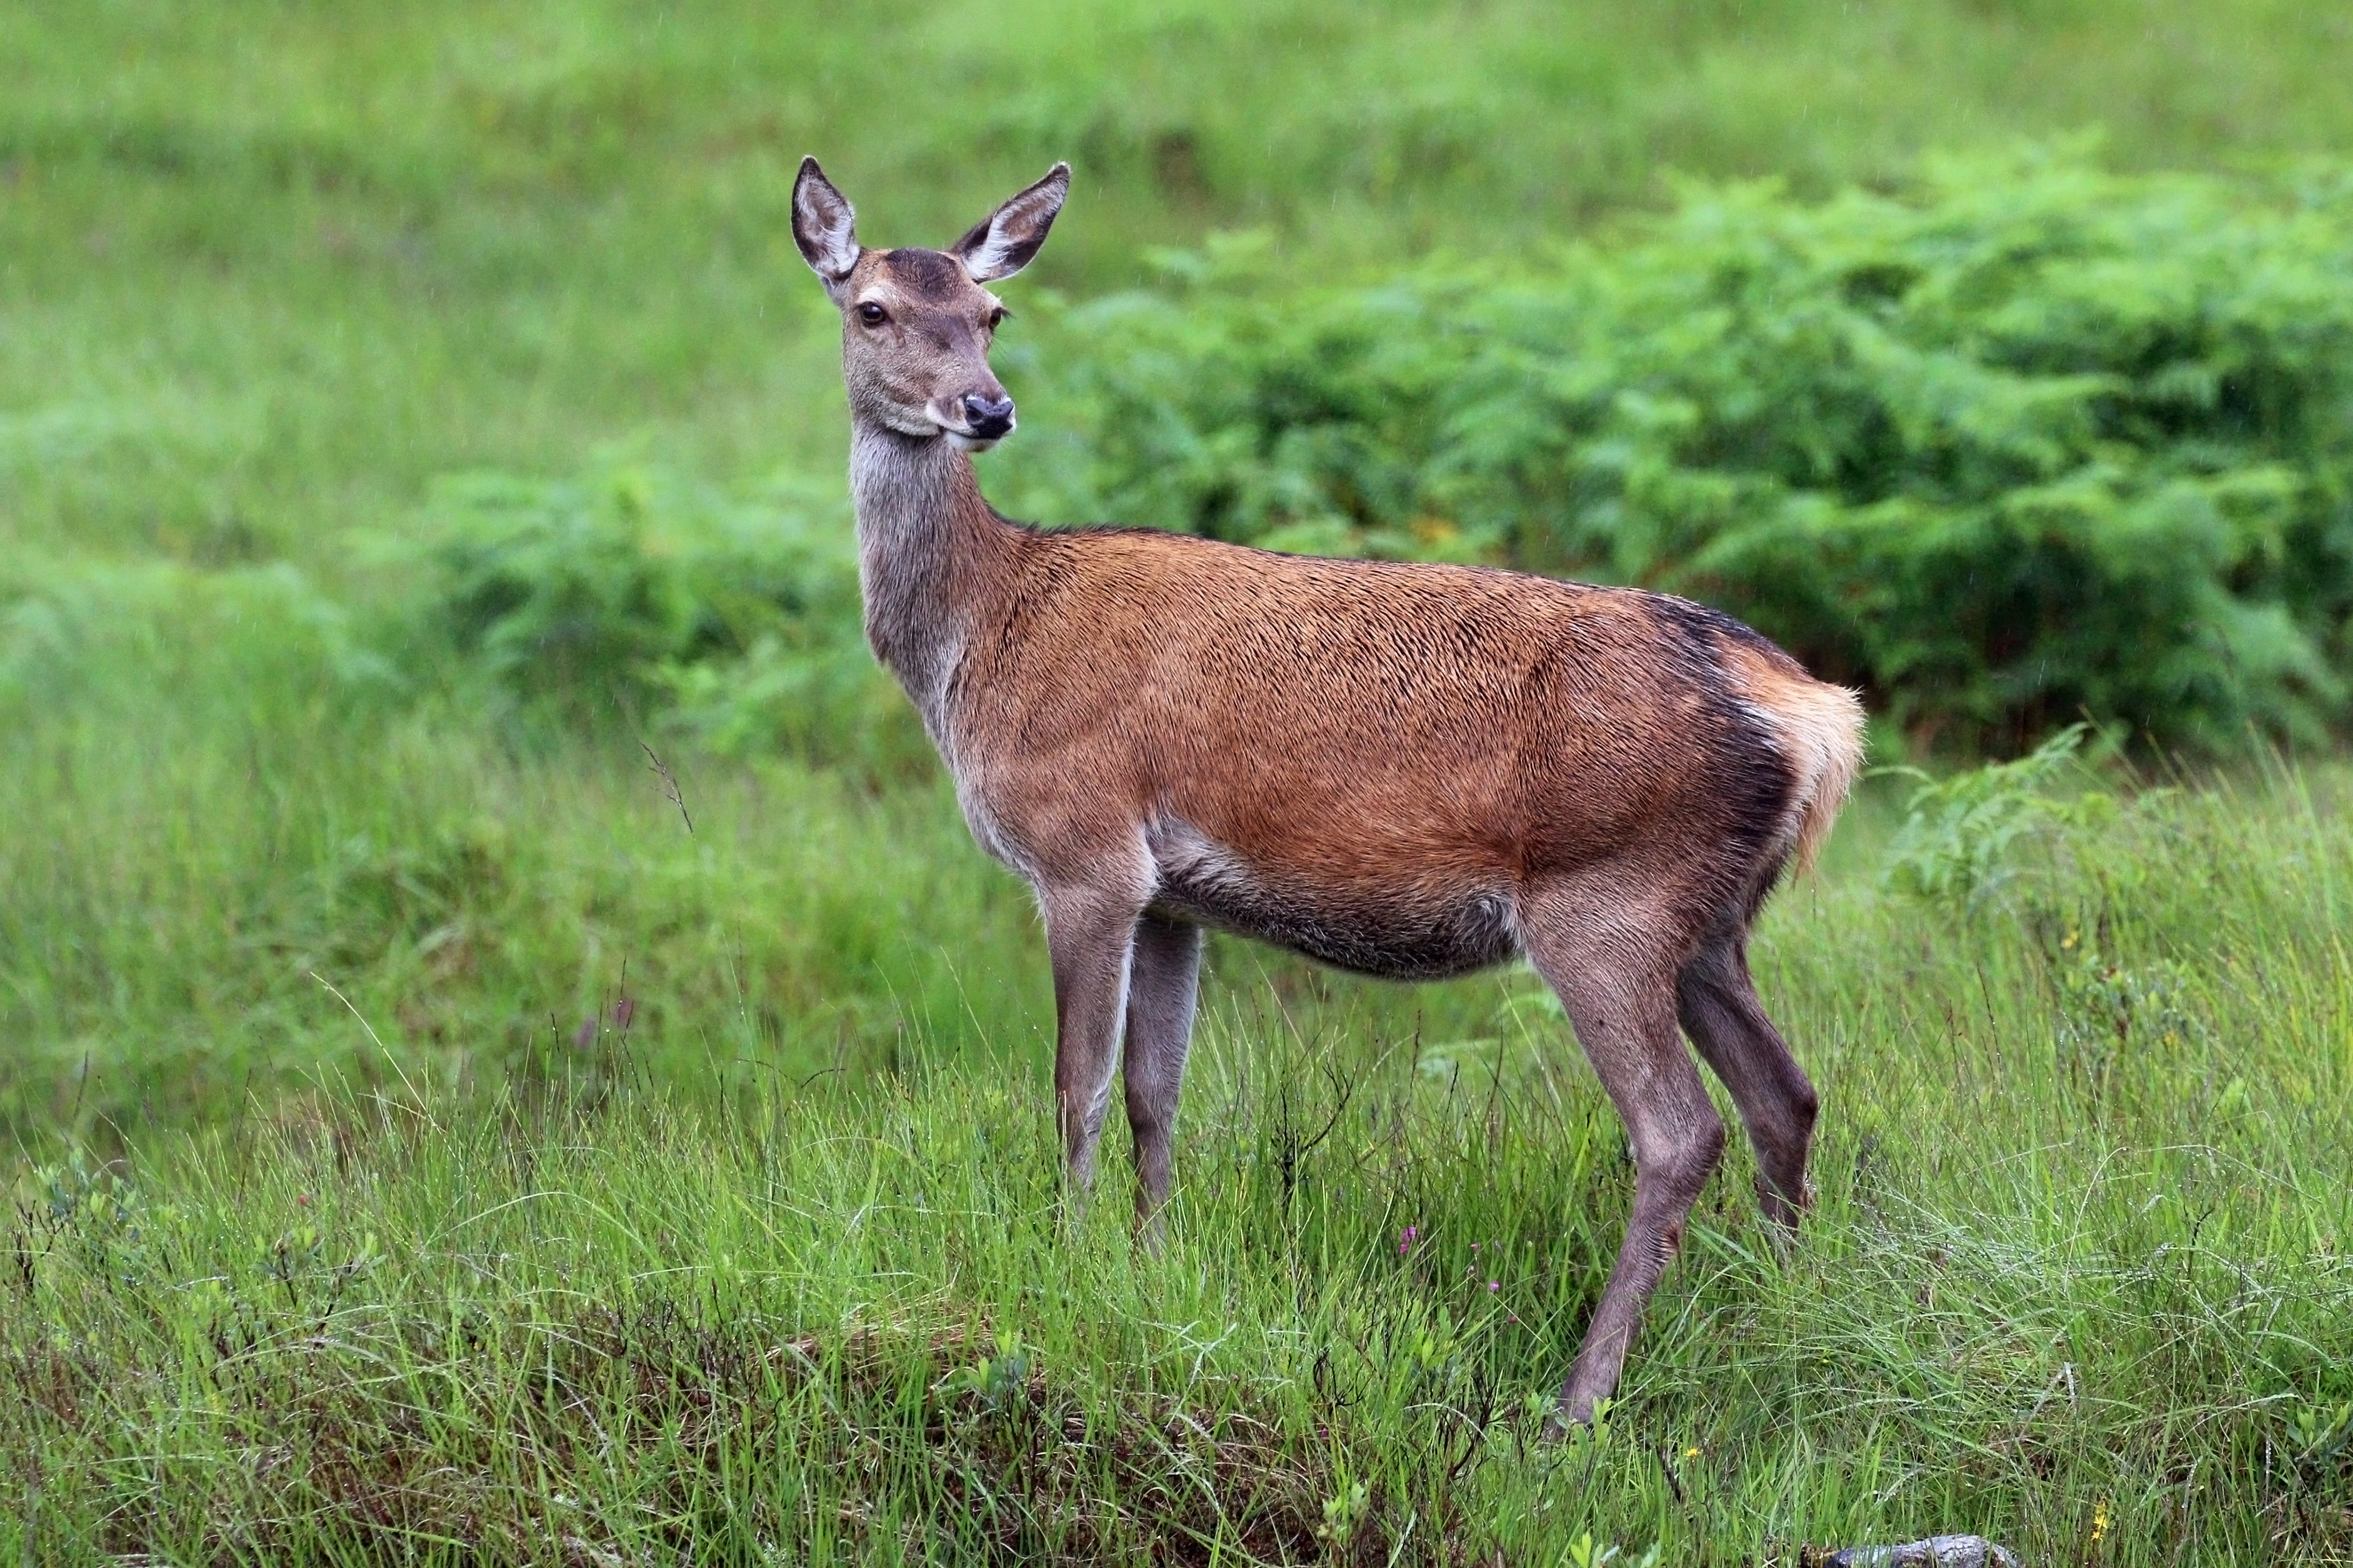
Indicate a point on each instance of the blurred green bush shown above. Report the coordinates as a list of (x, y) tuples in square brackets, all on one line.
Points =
[(84, 639), (636, 597), (2019, 442)]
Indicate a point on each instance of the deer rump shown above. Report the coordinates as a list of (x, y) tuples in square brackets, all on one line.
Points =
[(1367, 762)]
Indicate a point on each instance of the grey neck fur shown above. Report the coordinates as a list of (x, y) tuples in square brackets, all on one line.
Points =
[(926, 541)]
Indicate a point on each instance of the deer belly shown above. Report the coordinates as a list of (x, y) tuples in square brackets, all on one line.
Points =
[(1402, 930)]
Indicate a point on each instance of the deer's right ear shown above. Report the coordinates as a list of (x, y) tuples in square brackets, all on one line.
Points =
[(824, 226)]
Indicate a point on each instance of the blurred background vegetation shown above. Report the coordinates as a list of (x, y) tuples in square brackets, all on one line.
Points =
[(271, 269), (408, 415), (444, 779)]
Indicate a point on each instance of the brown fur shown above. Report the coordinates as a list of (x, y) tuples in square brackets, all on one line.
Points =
[(1407, 770), (1412, 732)]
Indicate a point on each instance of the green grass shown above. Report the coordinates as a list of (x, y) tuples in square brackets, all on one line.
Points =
[(220, 805), (356, 1219), (2081, 1255)]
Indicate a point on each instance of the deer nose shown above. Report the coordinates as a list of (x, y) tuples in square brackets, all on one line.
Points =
[(989, 417)]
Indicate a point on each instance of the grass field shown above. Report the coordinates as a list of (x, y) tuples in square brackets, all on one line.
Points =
[(2079, 1278), (431, 1140)]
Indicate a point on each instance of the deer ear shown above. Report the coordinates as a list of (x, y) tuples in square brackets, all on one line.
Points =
[(824, 226), (1002, 244)]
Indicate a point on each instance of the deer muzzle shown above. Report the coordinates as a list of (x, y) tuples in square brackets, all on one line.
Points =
[(987, 418)]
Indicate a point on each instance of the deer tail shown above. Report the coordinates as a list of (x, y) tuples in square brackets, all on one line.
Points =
[(1817, 729)]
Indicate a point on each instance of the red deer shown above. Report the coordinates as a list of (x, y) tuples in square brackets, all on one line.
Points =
[(1403, 770)]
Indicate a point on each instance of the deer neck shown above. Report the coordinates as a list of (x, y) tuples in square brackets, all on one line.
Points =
[(931, 553)]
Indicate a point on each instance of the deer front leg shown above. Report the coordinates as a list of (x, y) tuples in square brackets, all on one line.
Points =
[(1164, 979), (1091, 941)]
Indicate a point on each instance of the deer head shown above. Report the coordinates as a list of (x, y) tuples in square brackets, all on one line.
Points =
[(916, 325)]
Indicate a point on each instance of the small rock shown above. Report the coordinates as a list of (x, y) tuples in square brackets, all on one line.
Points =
[(1937, 1552)]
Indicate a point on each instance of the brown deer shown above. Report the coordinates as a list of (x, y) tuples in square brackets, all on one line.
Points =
[(1403, 770)]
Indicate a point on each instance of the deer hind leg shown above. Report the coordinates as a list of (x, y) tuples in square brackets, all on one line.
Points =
[(1619, 986), (1717, 1001), (1163, 983), (1090, 940)]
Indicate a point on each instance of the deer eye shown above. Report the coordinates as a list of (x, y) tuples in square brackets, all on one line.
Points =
[(996, 318), (872, 314)]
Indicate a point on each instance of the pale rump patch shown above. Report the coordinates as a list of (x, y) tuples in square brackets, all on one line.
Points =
[(1819, 728)]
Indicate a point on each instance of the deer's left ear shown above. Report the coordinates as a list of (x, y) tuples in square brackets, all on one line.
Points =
[(1002, 244)]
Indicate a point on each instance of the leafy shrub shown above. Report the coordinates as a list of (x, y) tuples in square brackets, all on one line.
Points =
[(2020, 442), (89, 635), (637, 597), (1955, 845)]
